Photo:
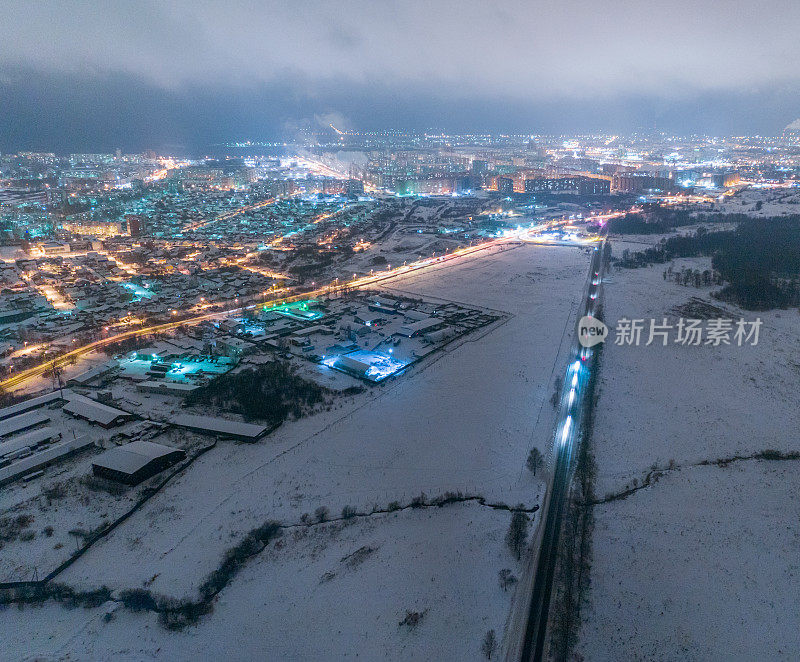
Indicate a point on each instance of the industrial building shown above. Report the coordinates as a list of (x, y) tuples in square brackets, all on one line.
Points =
[(22, 422), (219, 426), (28, 463), (574, 185), (95, 412), (420, 327), (136, 461)]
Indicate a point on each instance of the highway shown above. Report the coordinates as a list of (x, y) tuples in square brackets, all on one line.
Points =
[(527, 235), (572, 406)]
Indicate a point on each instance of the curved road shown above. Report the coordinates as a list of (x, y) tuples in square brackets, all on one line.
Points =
[(336, 285)]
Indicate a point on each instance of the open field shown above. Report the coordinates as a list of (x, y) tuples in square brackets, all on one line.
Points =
[(463, 420), (697, 564)]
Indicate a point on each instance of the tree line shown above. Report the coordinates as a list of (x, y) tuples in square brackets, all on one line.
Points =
[(661, 220), (759, 261)]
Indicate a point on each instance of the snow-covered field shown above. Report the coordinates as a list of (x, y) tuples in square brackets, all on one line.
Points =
[(701, 566), (697, 566), (462, 420), (690, 403), (773, 202)]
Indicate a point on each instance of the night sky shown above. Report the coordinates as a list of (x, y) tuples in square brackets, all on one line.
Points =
[(93, 76)]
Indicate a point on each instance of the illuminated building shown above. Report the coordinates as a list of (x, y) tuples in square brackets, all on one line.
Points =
[(576, 185), (479, 167), (135, 225), (355, 187), (94, 228), (636, 182)]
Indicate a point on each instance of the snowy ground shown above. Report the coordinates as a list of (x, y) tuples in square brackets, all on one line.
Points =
[(698, 565), (690, 403), (463, 419), (65, 499), (701, 566), (774, 202)]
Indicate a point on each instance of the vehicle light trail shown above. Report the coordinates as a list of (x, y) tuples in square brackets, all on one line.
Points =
[(331, 288), (230, 214), (566, 429), (574, 401)]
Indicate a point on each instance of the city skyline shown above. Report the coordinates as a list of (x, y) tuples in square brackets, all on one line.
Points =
[(441, 330)]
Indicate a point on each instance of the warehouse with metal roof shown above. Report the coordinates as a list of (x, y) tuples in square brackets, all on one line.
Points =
[(136, 461), (219, 426), (31, 403), (22, 422), (95, 412), (26, 443)]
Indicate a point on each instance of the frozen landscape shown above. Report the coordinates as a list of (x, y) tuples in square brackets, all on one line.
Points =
[(400, 332), (393, 578), (694, 537)]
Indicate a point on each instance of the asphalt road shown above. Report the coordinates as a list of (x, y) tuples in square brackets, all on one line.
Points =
[(30, 373), (573, 404)]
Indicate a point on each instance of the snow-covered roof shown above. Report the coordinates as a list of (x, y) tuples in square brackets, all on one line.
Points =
[(218, 426), (28, 440), (418, 327), (352, 365), (134, 456), (318, 328), (92, 373), (49, 454), (24, 421), (27, 405), (93, 411), (368, 317)]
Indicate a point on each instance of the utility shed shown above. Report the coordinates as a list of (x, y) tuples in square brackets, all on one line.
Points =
[(136, 461)]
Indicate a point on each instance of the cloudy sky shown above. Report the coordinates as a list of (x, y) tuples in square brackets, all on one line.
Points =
[(100, 74)]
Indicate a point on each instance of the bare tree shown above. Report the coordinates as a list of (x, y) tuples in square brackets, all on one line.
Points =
[(489, 644), (535, 460), (556, 391), (506, 579), (517, 532), (58, 381)]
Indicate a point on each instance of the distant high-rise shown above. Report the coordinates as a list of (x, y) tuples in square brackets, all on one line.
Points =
[(575, 185), (479, 167), (355, 187), (135, 225), (505, 185)]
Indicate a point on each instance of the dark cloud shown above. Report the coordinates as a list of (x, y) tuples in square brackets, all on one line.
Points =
[(154, 73)]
